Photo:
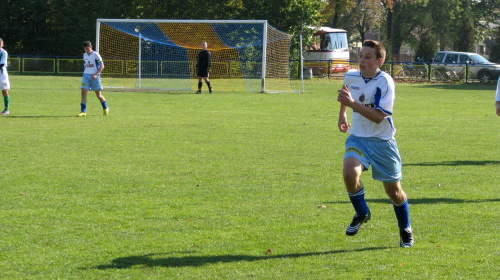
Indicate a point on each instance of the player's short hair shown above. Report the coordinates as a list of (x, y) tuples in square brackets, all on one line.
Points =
[(378, 46), (87, 44), (1, 40)]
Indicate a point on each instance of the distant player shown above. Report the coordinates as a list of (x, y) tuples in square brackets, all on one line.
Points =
[(203, 65), (497, 97), (91, 80), (370, 94), (4, 78)]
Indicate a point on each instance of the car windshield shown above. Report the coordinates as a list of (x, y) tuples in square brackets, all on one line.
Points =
[(479, 59)]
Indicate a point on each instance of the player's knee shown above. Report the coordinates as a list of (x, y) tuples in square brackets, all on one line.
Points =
[(350, 176), (395, 192)]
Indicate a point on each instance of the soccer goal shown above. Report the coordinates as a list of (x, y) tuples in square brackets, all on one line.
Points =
[(161, 54)]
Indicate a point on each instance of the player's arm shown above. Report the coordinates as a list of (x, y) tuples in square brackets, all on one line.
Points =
[(374, 115), (101, 67), (3, 60), (343, 124), (99, 70)]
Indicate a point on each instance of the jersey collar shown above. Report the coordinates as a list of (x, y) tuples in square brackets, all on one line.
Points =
[(369, 79)]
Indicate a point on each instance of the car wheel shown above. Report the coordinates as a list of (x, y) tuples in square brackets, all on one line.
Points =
[(484, 76)]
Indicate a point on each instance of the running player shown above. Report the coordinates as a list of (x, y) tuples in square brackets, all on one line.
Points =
[(4, 78), (370, 94), (91, 79)]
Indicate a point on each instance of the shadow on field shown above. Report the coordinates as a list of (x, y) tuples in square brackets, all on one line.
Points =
[(39, 117), (153, 260), (469, 86), (454, 163), (414, 201)]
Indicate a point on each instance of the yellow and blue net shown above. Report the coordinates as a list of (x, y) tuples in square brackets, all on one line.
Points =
[(162, 54)]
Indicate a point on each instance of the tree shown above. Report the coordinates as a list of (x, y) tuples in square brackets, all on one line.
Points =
[(465, 39), (427, 46), (335, 9), (495, 47)]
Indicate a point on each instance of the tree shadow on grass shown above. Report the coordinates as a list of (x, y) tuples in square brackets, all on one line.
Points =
[(462, 87), (455, 163), (153, 260), (414, 201), (40, 117)]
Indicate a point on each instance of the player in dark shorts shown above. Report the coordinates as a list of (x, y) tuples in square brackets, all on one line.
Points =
[(203, 65)]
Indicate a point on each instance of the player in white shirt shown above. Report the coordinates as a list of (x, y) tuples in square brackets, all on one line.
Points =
[(370, 94), (497, 97), (4, 78), (91, 79)]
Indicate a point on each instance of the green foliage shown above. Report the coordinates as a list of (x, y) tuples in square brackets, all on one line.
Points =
[(173, 185), (466, 38), (495, 48), (58, 27), (426, 47)]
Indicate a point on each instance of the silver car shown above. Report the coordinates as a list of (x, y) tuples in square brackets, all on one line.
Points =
[(452, 65)]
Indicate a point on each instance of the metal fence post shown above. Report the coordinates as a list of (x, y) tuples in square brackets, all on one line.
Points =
[(466, 72)]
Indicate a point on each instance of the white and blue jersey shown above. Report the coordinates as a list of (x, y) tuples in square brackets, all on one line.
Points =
[(91, 62), (378, 93)]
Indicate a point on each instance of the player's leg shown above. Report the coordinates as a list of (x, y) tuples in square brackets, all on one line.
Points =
[(105, 109), (200, 84), (6, 101), (96, 86), (387, 168), (395, 192), (402, 210), (5, 86), (352, 170), (83, 103), (86, 80), (207, 81)]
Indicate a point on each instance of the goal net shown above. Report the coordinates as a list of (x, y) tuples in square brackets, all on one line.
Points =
[(161, 54)]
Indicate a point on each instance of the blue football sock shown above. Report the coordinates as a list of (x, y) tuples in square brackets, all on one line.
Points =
[(402, 214), (358, 201), (104, 106), (84, 107)]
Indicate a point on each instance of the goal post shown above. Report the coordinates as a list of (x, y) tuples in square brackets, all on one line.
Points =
[(248, 55)]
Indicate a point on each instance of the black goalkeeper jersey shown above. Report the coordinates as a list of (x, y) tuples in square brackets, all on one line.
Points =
[(204, 59)]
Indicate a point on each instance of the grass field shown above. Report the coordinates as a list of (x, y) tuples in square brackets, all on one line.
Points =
[(235, 185)]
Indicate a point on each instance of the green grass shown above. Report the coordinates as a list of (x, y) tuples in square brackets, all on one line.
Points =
[(227, 186)]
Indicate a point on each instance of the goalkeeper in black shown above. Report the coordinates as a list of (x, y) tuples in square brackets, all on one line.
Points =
[(203, 65)]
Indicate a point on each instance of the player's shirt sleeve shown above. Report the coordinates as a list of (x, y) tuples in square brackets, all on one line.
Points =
[(3, 63), (384, 95), (98, 60), (3, 57), (497, 96)]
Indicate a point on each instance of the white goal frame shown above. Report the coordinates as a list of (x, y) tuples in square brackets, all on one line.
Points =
[(264, 39)]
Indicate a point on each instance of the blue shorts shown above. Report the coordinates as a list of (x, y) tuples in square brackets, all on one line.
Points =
[(90, 84), (382, 155)]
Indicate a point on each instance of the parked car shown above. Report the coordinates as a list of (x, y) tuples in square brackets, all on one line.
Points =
[(452, 65)]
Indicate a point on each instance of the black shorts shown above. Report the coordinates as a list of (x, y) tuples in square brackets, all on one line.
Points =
[(203, 72)]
